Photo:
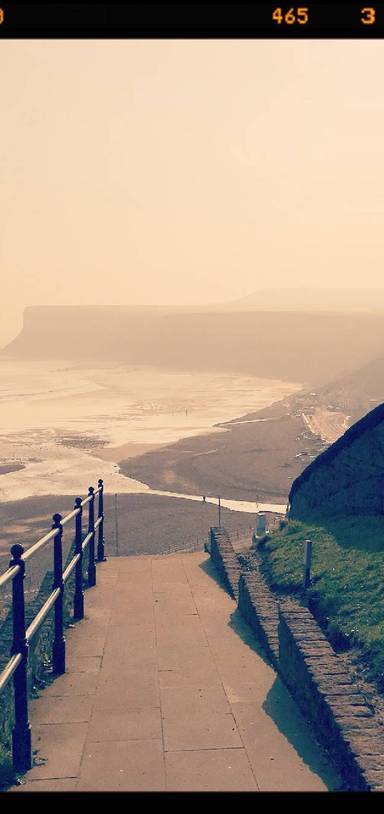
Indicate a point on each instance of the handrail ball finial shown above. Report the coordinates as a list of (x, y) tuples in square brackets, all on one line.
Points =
[(17, 552), (57, 518)]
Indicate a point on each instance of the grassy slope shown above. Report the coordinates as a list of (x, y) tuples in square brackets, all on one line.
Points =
[(347, 588)]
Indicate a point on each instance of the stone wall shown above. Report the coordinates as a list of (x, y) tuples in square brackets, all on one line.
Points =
[(315, 675), (225, 559), (348, 478), (260, 609)]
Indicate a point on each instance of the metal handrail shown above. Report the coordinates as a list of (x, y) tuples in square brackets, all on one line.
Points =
[(16, 667), (9, 670), (41, 615), (9, 574)]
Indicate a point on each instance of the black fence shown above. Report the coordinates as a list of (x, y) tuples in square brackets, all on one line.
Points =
[(16, 667)]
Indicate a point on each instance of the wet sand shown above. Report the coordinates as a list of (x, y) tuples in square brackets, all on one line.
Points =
[(252, 460), (5, 469), (120, 453), (257, 457)]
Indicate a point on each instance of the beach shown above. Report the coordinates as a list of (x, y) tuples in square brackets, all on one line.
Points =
[(66, 424), (160, 452), (255, 458), (156, 501)]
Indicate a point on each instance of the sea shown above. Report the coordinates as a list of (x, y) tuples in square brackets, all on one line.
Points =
[(58, 418)]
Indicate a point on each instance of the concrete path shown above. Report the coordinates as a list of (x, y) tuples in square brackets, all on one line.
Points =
[(166, 690)]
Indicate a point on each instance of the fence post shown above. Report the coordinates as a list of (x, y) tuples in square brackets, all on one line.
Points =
[(261, 525), (100, 546), (91, 547), (21, 734), (307, 563), (58, 650), (78, 600)]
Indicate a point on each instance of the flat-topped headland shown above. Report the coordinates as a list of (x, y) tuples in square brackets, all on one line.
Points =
[(301, 347)]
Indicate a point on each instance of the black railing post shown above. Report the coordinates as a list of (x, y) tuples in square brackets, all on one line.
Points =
[(78, 600), (91, 547), (58, 650), (100, 545), (21, 735)]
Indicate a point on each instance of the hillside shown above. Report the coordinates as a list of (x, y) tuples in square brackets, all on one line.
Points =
[(347, 478), (357, 392), (307, 348), (346, 593), (342, 300)]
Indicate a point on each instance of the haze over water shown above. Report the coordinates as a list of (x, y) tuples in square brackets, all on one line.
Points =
[(54, 417)]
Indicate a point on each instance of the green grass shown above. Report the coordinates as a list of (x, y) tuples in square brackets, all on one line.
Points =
[(347, 587), (7, 772)]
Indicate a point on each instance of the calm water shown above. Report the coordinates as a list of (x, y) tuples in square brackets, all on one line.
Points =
[(53, 416)]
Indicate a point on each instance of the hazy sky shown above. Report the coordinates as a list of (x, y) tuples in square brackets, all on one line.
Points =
[(187, 171)]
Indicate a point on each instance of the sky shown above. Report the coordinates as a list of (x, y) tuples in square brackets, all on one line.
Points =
[(187, 172)]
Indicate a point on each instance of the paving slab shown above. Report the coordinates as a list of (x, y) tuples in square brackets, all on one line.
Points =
[(127, 724), (213, 730), (124, 690), (73, 684), (209, 770), (60, 746), (277, 764), (61, 710), (88, 645), (136, 765), (190, 673), (201, 699), (166, 688), (68, 784), (83, 664)]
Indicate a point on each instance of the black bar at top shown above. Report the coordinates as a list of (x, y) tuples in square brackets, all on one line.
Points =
[(187, 20)]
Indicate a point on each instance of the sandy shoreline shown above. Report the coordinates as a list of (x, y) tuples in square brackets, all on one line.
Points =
[(255, 458), (251, 460), (124, 451)]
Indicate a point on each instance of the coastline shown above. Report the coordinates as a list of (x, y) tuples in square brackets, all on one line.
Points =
[(256, 458)]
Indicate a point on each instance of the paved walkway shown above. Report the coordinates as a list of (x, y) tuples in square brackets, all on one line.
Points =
[(165, 690)]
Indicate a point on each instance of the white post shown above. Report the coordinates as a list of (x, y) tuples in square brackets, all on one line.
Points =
[(116, 528), (261, 525), (307, 563)]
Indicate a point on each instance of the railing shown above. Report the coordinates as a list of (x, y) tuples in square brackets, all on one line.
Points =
[(16, 667)]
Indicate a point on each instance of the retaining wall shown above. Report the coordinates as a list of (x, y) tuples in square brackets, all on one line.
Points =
[(225, 559), (260, 609), (315, 675)]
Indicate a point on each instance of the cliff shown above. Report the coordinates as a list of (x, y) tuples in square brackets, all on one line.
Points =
[(348, 477), (358, 392), (308, 348)]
